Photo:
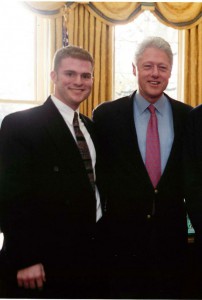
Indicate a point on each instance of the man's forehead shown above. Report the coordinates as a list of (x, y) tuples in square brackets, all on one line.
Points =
[(156, 54), (74, 62)]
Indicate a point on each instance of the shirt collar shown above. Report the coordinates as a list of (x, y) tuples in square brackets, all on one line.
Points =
[(142, 104), (64, 109)]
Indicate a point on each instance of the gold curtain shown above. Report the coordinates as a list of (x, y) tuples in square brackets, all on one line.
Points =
[(193, 65), (180, 15), (113, 13), (89, 32)]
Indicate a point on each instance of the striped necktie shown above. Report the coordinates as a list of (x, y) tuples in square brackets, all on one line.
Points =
[(84, 150)]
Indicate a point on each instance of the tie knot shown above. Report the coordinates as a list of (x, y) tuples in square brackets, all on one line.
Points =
[(151, 108), (75, 120)]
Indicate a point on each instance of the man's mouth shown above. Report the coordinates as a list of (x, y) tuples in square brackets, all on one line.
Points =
[(154, 82), (77, 90)]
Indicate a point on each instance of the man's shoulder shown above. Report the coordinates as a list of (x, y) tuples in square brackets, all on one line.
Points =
[(179, 105), (196, 114), (194, 123), (113, 104), (24, 117), (20, 116), (197, 110)]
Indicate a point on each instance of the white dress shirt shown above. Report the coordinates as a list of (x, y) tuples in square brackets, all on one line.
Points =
[(68, 115)]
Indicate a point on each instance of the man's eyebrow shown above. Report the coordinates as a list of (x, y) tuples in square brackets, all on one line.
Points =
[(68, 70)]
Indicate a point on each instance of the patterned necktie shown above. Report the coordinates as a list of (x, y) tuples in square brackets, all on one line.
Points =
[(153, 157), (84, 151)]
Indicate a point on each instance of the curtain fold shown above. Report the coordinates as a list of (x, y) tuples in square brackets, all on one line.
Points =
[(89, 32), (112, 13), (193, 65), (179, 14)]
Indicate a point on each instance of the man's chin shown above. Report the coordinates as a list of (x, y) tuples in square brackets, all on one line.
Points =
[(152, 98)]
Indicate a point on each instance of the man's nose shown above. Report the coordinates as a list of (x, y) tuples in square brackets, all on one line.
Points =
[(78, 79), (155, 71)]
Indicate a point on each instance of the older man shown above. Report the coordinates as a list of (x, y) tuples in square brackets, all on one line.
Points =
[(140, 137)]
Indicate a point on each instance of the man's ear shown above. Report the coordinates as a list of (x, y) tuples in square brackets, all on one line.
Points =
[(53, 76), (134, 69)]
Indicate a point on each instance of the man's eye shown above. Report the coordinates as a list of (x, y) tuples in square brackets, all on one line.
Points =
[(147, 67), (86, 76), (163, 68), (70, 74)]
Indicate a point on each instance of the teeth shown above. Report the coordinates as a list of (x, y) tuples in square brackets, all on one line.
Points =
[(154, 82)]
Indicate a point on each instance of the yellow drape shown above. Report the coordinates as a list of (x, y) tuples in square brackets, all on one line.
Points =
[(112, 13), (89, 32), (180, 14), (193, 65)]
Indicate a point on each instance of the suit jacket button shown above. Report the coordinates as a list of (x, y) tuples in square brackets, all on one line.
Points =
[(56, 169), (148, 216), (156, 191)]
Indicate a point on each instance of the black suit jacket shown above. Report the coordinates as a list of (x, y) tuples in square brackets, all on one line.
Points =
[(141, 218), (193, 171), (47, 206)]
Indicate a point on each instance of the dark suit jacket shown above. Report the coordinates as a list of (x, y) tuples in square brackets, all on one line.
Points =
[(193, 189), (193, 170), (135, 230), (47, 206)]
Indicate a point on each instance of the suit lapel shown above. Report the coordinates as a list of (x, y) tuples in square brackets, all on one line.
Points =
[(128, 135), (63, 140)]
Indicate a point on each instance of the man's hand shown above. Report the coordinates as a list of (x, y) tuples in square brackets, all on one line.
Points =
[(32, 277)]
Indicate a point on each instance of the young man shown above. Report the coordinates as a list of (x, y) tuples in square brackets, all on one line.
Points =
[(140, 137), (50, 202)]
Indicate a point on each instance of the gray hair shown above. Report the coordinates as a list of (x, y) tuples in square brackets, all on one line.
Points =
[(153, 42), (71, 51)]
